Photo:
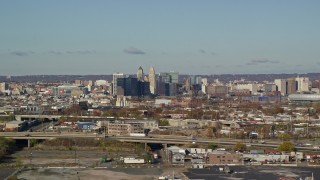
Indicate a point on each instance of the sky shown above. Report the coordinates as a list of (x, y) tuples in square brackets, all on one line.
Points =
[(81, 37)]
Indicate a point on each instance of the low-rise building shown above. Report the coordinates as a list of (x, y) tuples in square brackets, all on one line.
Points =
[(223, 157), (118, 129), (15, 125)]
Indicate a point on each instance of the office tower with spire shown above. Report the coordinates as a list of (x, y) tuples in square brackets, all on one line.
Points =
[(140, 75), (152, 80)]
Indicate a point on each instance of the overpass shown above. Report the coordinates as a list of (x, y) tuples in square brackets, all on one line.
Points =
[(155, 139), (53, 117)]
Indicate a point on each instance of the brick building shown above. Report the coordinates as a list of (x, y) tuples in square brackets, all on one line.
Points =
[(223, 157)]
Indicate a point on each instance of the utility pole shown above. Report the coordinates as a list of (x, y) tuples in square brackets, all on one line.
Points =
[(75, 155), (31, 158)]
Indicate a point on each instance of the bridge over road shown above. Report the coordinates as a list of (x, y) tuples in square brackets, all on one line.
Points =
[(155, 139)]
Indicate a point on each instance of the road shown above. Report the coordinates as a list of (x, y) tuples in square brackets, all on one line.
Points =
[(158, 139)]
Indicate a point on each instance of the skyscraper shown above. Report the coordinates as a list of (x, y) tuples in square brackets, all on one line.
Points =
[(168, 83), (140, 74), (170, 77), (127, 86), (114, 82), (281, 86), (152, 80), (291, 86)]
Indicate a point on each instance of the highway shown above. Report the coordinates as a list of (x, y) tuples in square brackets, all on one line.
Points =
[(158, 139)]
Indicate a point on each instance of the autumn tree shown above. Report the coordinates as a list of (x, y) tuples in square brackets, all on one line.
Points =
[(212, 145), (273, 111), (210, 132), (286, 146), (240, 147), (73, 110), (163, 122)]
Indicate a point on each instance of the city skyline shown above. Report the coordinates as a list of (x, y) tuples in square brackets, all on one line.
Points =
[(207, 37)]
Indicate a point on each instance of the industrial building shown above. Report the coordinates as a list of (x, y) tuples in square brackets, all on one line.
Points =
[(304, 97)]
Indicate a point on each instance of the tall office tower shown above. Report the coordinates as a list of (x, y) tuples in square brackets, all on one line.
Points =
[(291, 86), (281, 86), (127, 86), (174, 76), (303, 84), (167, 84), (204, 84), (140, 74), (114, 82), (188, 84), (165, 77), (152, 80), (198, 80), (170, 77)]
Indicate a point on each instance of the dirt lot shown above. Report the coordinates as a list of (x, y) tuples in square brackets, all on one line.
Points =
[(55, 164), (96, 174)]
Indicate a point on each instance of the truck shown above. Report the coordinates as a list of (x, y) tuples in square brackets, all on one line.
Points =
[(138, 134), (133, 161)]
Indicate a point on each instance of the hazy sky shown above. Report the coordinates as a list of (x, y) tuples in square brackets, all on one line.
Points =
[(191, 37)]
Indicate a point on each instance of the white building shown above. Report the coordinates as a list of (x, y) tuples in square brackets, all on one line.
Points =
[(303, 84), (152, 80), (250, 86), (2, 87), (204, 85), (101, 82), (281, 85)]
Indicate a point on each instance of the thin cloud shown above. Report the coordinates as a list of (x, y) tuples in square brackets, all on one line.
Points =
[(318, 63), (202, 51), (261, 61), (56, 52), (133, 50), (72, 52), (22, 53)]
